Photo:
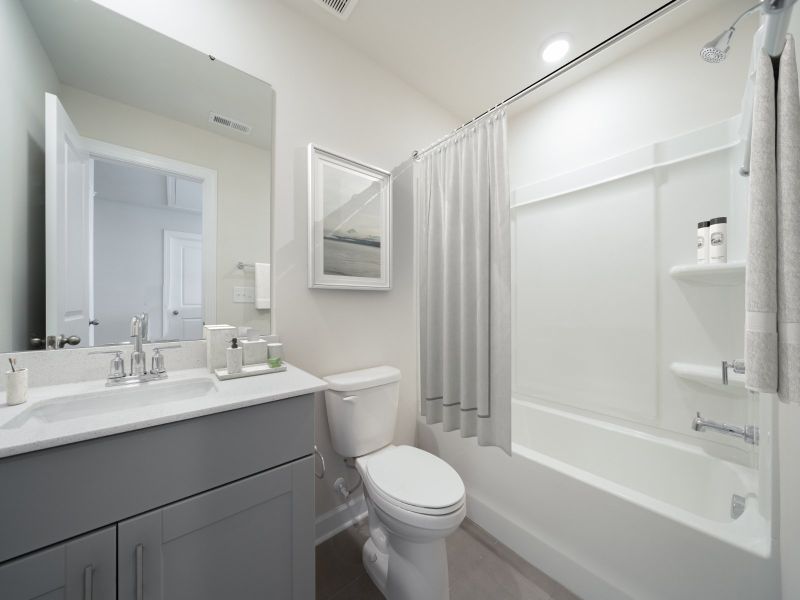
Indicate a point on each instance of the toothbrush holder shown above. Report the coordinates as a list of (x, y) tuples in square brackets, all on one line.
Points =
[(16, 386)]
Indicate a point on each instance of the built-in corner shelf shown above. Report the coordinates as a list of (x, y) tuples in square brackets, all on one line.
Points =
[(731, 273), (710, 376)]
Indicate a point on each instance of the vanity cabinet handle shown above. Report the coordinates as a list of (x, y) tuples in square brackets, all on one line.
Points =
[(88, 575), (139, 572), (352, 398), (321, 460)]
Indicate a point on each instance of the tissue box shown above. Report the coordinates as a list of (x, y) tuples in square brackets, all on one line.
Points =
[(255, 351), (218, 340)]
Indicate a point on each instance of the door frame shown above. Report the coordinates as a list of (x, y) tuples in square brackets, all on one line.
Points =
[(98, 149)]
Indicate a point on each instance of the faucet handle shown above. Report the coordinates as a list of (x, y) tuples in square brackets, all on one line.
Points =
[(116, 370), (157, 366), (157, 363), (737, 365)]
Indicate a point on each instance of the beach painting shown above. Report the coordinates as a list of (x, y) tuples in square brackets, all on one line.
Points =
[(350, 206)]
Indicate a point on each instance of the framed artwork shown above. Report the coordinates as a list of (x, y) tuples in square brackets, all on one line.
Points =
[(349, 223)]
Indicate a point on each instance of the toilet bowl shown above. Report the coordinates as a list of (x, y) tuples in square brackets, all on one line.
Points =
[(414, 499)]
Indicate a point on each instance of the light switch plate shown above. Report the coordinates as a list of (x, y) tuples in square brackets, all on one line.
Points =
[(244, 295)]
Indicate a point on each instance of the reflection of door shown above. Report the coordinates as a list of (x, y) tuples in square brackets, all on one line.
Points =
[(183, 285), (67, 224)]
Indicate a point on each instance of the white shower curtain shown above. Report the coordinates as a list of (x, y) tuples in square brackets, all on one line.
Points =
[(464, 258)]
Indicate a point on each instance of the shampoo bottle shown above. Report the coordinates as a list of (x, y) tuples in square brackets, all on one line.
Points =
[(718, 240), (234, 356), (702, 242)]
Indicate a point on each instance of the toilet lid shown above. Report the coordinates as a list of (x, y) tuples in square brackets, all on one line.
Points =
[(415, 477)]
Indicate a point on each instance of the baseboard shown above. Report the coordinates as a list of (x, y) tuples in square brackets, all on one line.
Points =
[(561, 567), (340, 518)]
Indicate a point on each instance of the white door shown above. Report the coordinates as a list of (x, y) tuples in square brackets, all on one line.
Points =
[(68, 222), (183, 285)]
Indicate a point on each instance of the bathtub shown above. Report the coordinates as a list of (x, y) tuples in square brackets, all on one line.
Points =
[(612, 512)]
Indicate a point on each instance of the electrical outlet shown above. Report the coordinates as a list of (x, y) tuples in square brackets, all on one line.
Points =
[(244, 295)]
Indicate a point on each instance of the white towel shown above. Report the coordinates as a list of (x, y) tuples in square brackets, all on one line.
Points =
[(262, 286), (761, 303), (788, 167)]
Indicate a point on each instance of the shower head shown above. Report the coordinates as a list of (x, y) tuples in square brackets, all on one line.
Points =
[(716, 50)]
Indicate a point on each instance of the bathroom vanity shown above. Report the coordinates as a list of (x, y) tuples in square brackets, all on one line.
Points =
[(193, 489)]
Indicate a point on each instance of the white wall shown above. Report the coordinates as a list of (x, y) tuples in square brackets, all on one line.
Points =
[(243, 185), (130, 216), (655, 92), (27, 75), (331, 95)]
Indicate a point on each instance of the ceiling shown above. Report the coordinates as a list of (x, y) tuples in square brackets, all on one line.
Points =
[(97, 50), (470, 55)]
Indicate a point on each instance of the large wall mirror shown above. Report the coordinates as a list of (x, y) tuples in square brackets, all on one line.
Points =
[(136, 177)]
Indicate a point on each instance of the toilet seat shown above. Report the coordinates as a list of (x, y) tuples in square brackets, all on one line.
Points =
[(412, 480)]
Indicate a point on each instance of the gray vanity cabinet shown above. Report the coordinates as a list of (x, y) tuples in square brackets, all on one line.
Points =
[(80, 569), (236, 541), (216, 507)]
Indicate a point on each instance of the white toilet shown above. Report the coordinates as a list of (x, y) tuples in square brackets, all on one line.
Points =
[(414, 499)]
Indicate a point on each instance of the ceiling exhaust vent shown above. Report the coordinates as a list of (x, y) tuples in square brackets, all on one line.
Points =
[(340, 8), (223, 121)]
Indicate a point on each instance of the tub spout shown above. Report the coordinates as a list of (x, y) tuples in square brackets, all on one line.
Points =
[(748, 433)]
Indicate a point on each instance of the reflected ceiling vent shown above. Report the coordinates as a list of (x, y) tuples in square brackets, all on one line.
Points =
[(223, 121), (340, 8)]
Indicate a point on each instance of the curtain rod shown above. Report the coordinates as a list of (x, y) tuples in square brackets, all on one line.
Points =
[(610, 41)]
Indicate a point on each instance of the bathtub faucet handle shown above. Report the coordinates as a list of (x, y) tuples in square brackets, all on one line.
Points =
[(737, 365)]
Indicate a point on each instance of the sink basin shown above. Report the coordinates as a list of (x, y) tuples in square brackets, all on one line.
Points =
[(65, 408)]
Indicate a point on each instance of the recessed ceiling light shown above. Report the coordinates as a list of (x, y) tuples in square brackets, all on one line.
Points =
[(555, 48)]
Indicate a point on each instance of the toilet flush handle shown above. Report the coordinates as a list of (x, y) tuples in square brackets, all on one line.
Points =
[(350, 398)]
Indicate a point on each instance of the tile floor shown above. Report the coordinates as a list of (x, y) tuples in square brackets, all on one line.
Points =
[(481, 568)]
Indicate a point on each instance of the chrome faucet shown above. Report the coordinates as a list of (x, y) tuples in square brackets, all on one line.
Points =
[(138, 372), (748, 433), (139, 326)]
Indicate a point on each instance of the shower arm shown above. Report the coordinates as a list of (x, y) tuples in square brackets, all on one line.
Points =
[(749, 11)]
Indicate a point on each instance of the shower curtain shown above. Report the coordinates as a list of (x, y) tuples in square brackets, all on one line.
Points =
[(462, 200), (772, 291)]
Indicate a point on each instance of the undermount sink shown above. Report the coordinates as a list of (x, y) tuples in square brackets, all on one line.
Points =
[(65, 408)]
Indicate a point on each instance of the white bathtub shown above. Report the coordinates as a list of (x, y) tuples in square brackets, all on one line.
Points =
[(612, 512)]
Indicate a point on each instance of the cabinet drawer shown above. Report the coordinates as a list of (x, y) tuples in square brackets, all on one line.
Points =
[(62, 492)]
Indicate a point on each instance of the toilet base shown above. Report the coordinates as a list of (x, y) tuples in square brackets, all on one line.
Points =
[(377, 564), (410, 571)]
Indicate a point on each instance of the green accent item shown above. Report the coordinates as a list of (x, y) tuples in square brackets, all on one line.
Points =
[(275, 362)]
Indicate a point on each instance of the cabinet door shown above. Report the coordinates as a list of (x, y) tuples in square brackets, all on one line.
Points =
[(246, 540), (82, 569)]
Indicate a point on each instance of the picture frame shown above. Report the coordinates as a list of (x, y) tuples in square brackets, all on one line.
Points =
[(349, 223)]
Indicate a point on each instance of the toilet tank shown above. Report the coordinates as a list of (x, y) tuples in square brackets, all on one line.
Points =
[(362, 409)]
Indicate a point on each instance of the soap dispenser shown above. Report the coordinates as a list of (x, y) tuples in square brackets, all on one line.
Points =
[(234, 357)]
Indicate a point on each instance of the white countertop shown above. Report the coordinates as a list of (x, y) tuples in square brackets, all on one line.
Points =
[(35, 434)]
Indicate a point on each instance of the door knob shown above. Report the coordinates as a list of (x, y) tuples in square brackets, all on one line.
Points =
[(60, 341), (72, 340), (176, 313)]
